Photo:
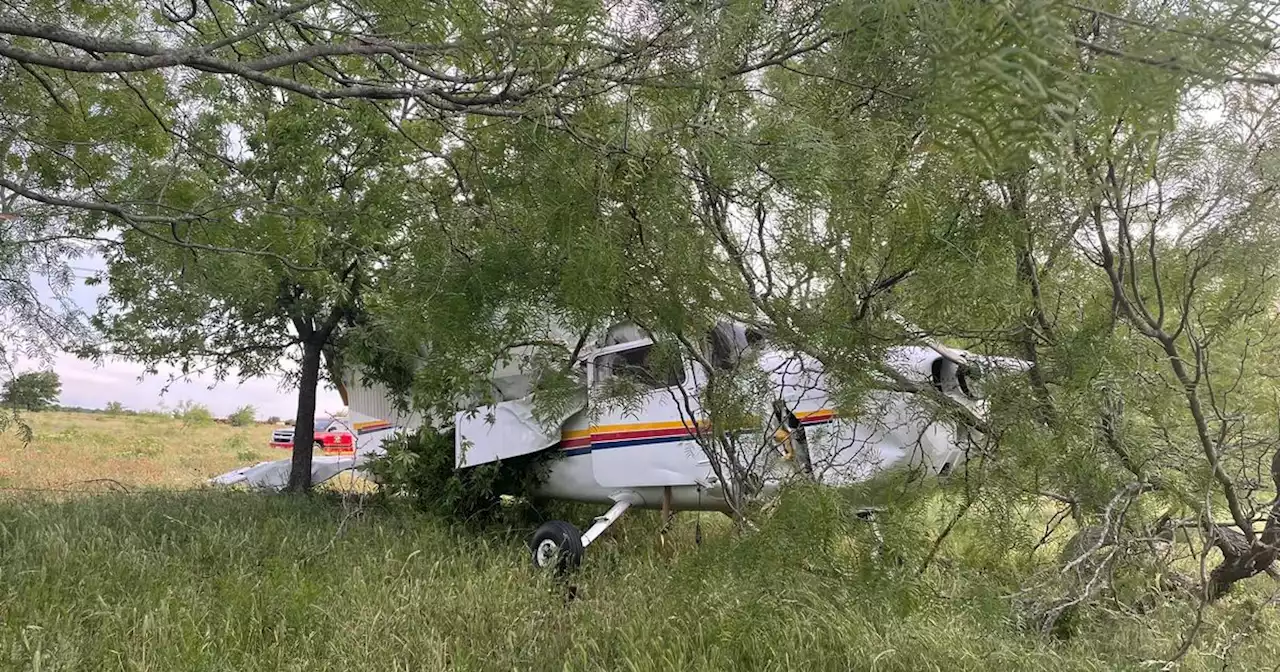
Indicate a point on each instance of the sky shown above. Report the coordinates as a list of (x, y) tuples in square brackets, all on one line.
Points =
[(91, 385)]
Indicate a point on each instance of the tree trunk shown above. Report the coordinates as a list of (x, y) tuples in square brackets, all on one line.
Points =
[(304, 430), (1240, 559)]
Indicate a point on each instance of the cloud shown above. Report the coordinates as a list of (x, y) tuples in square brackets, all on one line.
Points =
[(84, 378)]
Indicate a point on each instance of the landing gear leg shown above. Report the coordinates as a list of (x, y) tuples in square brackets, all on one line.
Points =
[(602, 523), (558, 545)]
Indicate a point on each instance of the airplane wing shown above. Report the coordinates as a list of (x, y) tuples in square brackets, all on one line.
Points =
[(275, 475)]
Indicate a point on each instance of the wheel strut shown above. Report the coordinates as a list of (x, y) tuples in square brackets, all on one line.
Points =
[(602, 523)]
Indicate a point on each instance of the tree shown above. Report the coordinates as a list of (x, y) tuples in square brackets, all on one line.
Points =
[(37, 316), (1062, 202), (243, 417), (191, 413), (319, 197), (1020, 178), (32, 391), (186, 182), (114, 408)]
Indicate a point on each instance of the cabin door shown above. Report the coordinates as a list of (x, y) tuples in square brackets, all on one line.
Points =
[(644, 438)]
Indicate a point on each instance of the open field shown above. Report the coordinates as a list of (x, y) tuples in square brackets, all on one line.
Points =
[(85, 452), (137, 451), (157, 580)]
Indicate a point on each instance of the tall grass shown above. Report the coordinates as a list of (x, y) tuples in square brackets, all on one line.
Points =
[(237, 581), (207, 580)]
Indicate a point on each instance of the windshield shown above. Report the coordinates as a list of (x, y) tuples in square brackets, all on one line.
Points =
[(322, 425)]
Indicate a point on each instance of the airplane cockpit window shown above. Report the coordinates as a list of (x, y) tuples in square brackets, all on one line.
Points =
[(641, 368)]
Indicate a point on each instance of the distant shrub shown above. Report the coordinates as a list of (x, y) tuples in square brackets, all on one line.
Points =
[(140, 446), (115, 408), (242, 448), (275, 419), (243, 417), (191, 413), (68, 435)]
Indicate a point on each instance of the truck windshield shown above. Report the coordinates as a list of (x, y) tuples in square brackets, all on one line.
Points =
[(322, 425)]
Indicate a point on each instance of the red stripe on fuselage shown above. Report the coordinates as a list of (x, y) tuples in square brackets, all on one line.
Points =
[(641, 434), (609, 437)]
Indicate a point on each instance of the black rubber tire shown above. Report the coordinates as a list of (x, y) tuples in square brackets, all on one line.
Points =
[(567, 542), (319, 444)]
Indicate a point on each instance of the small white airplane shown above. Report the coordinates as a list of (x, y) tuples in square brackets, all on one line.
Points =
[(651, 450)]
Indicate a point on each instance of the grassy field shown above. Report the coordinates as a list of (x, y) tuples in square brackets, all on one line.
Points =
[(68, 449), (154, 579)]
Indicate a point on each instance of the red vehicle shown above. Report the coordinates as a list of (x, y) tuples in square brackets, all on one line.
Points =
[(331, 436)]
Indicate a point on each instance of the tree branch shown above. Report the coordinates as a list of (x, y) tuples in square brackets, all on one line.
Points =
[(136, 221)]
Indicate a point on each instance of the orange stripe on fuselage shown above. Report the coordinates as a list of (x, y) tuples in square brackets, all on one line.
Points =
[(816, 416), (578, 438)]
